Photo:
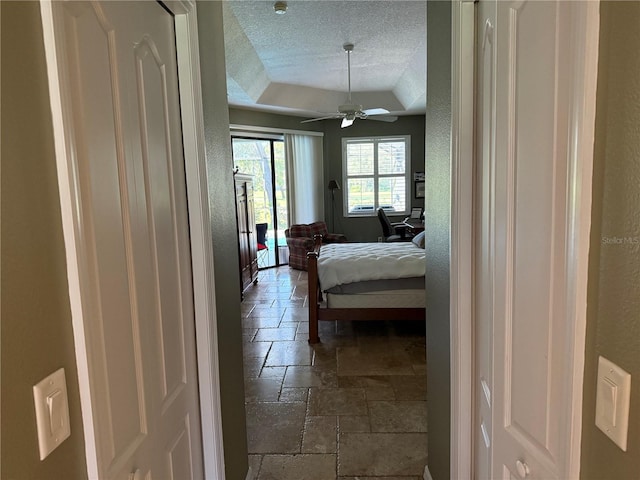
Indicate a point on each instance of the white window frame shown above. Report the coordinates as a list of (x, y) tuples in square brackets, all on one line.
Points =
[(375, 175)]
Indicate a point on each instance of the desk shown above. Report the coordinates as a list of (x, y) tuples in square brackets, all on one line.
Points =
[(416, 226)]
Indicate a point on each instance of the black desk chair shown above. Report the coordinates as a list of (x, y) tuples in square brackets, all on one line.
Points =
[(394, 232)]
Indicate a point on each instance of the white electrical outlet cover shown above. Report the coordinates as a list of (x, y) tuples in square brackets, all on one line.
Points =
[(52, 412)]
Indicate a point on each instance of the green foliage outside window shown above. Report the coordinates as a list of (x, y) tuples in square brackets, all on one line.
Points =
[(253, 156)]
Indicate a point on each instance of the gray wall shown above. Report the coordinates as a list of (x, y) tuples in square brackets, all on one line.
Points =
[(36, 334), (367, 229), (225, 236), (438, 234), (613, 318), (356, 229), (239, 116)]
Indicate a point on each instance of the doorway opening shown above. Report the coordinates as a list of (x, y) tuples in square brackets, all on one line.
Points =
[(264, 159)]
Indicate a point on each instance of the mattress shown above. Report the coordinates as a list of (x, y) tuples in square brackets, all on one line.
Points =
[(346, 263), (413, 283), (411, 298)]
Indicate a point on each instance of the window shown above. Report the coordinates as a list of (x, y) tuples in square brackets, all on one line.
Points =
[(376, 174)]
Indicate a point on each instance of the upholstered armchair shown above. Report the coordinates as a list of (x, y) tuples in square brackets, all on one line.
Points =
[(300, 241)]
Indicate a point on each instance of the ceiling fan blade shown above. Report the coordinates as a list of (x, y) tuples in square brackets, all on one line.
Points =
[(375, 111), (319, 118), (346, 122), (383, 118)]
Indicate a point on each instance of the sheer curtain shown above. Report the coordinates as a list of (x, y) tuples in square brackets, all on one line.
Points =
[(304, 178)]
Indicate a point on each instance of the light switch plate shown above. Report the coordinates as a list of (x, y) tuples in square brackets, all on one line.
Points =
[(612, 401), (52, 412)]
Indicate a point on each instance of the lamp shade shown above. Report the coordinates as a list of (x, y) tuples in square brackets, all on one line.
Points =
[(333, 185)]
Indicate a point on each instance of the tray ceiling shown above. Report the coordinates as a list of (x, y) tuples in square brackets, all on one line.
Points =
[(294, 63)]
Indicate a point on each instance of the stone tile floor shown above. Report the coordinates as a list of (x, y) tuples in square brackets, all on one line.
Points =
[(352, 407)]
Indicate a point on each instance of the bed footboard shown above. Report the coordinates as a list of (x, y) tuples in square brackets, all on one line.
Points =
[(351, 314), (315, 295)]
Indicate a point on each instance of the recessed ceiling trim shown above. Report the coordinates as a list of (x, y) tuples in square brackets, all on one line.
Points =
[(239, 129), (287, 62)]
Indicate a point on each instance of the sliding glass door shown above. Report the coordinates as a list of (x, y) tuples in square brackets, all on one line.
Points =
[(264, 159)]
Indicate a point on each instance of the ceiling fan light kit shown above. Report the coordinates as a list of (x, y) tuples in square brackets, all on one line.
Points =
[(346, 122), (349, 111)]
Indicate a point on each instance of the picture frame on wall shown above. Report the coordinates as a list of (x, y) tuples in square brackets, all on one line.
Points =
[(419, 189)]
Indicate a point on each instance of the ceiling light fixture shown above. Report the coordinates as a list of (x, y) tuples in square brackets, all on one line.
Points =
[(280, 8)]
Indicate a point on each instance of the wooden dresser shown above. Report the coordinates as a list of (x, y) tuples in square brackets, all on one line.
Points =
[(247, 241)]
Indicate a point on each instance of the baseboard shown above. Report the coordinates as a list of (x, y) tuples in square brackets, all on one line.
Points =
[(427, 475), (249, 474)]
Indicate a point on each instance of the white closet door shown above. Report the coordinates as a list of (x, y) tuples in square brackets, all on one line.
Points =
[(530, 55), (132, 229)]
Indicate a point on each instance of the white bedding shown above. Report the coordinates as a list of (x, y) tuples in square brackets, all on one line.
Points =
[(341, 263)]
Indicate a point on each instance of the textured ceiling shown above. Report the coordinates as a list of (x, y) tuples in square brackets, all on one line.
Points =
[(295, 62)]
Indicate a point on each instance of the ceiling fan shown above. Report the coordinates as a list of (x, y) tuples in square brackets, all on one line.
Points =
[(349, 112)]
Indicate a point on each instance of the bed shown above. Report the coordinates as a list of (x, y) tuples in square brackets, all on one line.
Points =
[(365, 281)]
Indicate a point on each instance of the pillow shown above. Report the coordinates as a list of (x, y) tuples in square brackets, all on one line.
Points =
[(419, 239)]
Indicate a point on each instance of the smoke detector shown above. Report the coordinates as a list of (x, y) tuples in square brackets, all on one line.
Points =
[(280, 8)]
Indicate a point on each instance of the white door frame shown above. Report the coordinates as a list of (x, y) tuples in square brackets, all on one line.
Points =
[(461, 269), (580, 180), (199, 224), (462, 231)]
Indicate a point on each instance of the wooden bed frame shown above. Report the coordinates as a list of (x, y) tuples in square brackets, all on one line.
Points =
[(315, 298)]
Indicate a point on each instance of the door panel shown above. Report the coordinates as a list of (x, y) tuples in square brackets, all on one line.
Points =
[(110, 282), (532, 226), (251, 228), (485, 185), (531, 204), (179, 453), (138, 302), (153, 112), (526, 78)]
